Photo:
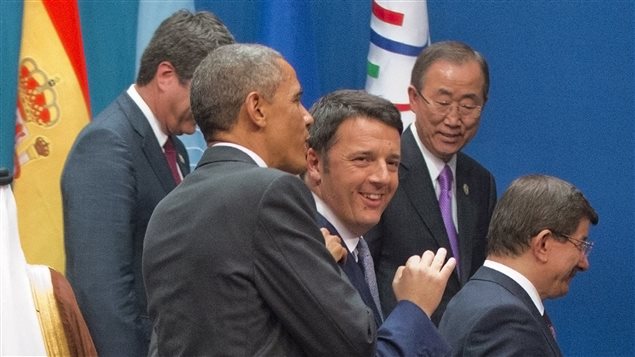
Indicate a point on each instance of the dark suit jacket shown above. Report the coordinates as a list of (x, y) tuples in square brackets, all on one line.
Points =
[(114, 176), (407, 331), (412, 222), (494, 316), (249, 273)]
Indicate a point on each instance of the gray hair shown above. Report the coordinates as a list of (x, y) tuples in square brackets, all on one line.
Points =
[(225, 78), (533, 203), (183, 39), (453, 52)]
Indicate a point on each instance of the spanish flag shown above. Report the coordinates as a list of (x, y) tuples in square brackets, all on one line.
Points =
[(53, 106)]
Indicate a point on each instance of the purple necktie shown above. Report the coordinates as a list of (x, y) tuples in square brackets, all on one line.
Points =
[(170, 156), (445, 204), (364, 257)]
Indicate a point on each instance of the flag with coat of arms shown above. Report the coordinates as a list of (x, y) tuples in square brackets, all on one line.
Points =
[(53, 106)]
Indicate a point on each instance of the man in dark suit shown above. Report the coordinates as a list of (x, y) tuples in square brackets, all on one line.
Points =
[(538, 240), (448, 90), (249, 274), (121, 165), (352, 165)]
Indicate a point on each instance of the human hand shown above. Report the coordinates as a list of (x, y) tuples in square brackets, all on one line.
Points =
[(334, 245), (423, 279)]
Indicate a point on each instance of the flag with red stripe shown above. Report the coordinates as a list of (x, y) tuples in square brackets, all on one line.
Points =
[(398, 33), (53, 106)]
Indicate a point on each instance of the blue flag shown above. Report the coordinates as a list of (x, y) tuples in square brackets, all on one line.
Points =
[(287, 27)]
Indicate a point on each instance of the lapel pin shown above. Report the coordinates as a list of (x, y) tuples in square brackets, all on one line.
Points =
[(182, 160), (466, 189)]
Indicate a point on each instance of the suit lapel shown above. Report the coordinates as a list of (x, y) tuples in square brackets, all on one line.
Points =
[(416, 182), (149, 143), (466, 209), (182, 157)]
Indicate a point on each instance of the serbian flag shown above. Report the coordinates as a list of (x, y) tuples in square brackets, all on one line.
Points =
[(398, 33), (53, 106)]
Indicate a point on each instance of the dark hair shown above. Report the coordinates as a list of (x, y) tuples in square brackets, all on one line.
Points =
[(533, 203), (225, 78), (183, 39), (453, 52), (330, 111)]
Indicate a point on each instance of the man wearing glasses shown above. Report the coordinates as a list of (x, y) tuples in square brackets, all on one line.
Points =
[(445, 198), (537, 242)]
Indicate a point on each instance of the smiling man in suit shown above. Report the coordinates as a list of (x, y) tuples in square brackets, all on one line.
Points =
[(352, 164), (249, 273), (120, 166), (538, 241), (445, 198)]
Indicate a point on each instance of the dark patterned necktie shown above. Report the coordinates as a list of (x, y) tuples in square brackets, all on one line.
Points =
[(549, 324), (170, 156), (364, 257)]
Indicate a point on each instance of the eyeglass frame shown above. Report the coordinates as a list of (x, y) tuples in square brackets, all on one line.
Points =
[(584, 246), (473, 112)]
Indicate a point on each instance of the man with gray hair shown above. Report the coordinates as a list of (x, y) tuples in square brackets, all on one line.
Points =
[(249, 274), (537, 241), (445, 198), (121, 165)]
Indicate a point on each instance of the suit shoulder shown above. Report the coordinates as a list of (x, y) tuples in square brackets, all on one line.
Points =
[(470, 163), (279, 181)]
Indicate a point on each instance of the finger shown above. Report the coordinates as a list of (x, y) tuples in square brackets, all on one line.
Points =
[(448, 268), (398, 274), (427, 257), (325, 233), (413, 260), (439, 259)]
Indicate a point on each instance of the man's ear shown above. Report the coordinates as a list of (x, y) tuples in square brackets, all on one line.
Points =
[(541, 245), (412, 97), (255, 107), (313, 169), (165, 75)]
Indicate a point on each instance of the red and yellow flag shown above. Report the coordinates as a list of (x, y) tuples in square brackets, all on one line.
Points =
[(53, 106)]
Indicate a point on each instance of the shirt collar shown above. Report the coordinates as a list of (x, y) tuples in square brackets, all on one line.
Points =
[(521, 280), (347, 236), (149, 115), (259, 161), (434, 164)]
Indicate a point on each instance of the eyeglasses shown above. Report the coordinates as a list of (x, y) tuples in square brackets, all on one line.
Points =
[(584, 246), (445, 107)]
